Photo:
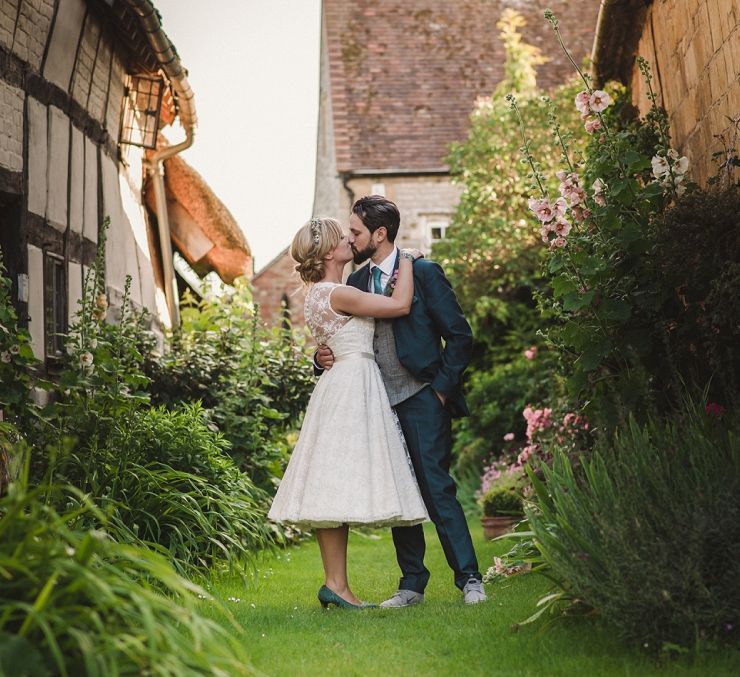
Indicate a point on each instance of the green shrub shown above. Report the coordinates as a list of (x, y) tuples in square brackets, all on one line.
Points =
[(497, 398), (254, 382), (165, 479), (502, 500), (75, 602), (694, 272), (647, 531)]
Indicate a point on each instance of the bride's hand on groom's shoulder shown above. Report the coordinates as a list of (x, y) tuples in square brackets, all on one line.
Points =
[(416, 253)]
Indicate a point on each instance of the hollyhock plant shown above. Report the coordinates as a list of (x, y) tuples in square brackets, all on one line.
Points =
[(594, 238)]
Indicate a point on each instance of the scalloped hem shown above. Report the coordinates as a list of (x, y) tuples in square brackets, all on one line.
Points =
[(333, 524)]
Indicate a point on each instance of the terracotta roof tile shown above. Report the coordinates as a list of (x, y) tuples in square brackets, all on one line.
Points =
[(406, 73)]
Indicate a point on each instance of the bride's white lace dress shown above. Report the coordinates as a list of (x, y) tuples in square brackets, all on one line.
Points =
[(350, 465)]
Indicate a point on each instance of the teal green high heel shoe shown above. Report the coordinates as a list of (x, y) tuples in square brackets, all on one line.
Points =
[(327, 597)]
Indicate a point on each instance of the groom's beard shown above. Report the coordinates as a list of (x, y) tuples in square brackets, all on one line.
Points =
[(365, 254)]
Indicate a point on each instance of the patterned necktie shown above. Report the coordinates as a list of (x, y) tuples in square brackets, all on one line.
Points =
[(377, 286)]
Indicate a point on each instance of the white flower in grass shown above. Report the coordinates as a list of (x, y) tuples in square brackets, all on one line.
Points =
[(14, 349), (86, 360), (5, 356)]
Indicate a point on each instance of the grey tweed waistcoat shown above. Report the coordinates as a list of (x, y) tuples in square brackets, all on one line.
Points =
[(400, 383)]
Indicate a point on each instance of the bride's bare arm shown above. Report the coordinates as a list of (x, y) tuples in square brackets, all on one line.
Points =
[(355, 302)]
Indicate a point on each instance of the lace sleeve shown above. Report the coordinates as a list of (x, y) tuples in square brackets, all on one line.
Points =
[(321, 318)]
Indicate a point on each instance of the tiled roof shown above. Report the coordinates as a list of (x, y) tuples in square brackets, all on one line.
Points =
[(406, 73)]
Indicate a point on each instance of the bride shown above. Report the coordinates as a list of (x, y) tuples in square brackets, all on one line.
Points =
[(350, 466)]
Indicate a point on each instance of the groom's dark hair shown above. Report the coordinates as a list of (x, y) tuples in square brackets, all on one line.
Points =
[(376, 211)]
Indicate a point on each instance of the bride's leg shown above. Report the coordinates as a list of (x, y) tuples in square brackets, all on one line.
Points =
[(333, 546)]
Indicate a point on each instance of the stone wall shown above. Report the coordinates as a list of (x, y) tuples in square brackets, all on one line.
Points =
[(693, 47)]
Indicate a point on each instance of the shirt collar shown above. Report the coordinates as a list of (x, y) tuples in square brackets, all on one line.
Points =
[(387, 264)]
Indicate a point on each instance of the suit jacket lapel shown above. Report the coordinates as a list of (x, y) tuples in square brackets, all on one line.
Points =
[(361, 278), (396, 264)]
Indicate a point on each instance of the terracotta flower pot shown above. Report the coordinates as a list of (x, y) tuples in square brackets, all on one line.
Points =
[(496, 526)]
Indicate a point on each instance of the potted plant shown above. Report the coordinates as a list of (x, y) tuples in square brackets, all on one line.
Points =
[(502, 509)]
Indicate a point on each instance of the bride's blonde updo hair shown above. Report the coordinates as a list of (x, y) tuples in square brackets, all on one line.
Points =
[(311, 244)]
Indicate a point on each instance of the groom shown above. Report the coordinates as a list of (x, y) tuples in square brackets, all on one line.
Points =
[(422, 375)]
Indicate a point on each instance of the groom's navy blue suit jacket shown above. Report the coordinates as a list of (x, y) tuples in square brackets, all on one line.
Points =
[(434, 341)]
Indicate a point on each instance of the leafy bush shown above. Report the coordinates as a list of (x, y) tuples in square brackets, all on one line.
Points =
[(254, 382), (647, 531), (493, 258), (75, 602), (694, 268), (497, 398), (165, 479), (502, 500)]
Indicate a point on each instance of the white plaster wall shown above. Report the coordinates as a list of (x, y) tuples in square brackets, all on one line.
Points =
[(36, 300), (74, 288), (63, 43), (77, 181), (37, 156), (90, 192), (132, 206), (11, 127), (58, 172)]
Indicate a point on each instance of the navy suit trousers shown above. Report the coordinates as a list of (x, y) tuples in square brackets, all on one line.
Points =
[(427, 428)]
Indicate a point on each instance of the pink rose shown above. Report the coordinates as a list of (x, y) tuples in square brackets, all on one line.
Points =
[(509, 437)]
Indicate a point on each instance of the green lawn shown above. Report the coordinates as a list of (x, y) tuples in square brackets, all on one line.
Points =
[(288, 633)]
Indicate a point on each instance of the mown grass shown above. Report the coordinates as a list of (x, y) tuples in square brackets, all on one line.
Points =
[(287, 633)]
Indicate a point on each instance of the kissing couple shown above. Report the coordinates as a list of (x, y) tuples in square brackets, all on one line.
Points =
[(375, 446)]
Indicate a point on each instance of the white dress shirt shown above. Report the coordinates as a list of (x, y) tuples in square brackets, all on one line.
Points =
[(386, 270)]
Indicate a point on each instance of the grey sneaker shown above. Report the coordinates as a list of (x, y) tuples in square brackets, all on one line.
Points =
[(473, 592), (402, 598)]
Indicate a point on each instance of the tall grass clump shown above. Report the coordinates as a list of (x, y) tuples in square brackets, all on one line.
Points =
[(165, 479), (647, 530), (73, 601)]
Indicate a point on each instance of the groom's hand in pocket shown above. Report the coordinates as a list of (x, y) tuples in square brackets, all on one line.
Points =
[(324, 357), (441, 397)]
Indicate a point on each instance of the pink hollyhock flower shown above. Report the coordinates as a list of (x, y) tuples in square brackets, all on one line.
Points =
[(575, 194), (545, 211), (561, 227), (544, 233), (567, 180), (583, 102), (509, 437), (558, 243), (714, 409), (599, 101), (531, 353), (580, 213), (592, 124), (599, 187)]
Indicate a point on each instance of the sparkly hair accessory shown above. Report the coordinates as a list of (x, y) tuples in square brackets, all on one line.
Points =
[(315, 223)]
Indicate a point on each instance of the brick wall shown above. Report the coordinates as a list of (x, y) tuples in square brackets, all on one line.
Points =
[(693, 47), (32, 30), (277, 278)]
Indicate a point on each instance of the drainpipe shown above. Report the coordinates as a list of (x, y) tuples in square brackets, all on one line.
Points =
[(177, 75)]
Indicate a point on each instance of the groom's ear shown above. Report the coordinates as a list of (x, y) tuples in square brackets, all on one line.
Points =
[(381, 234)]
